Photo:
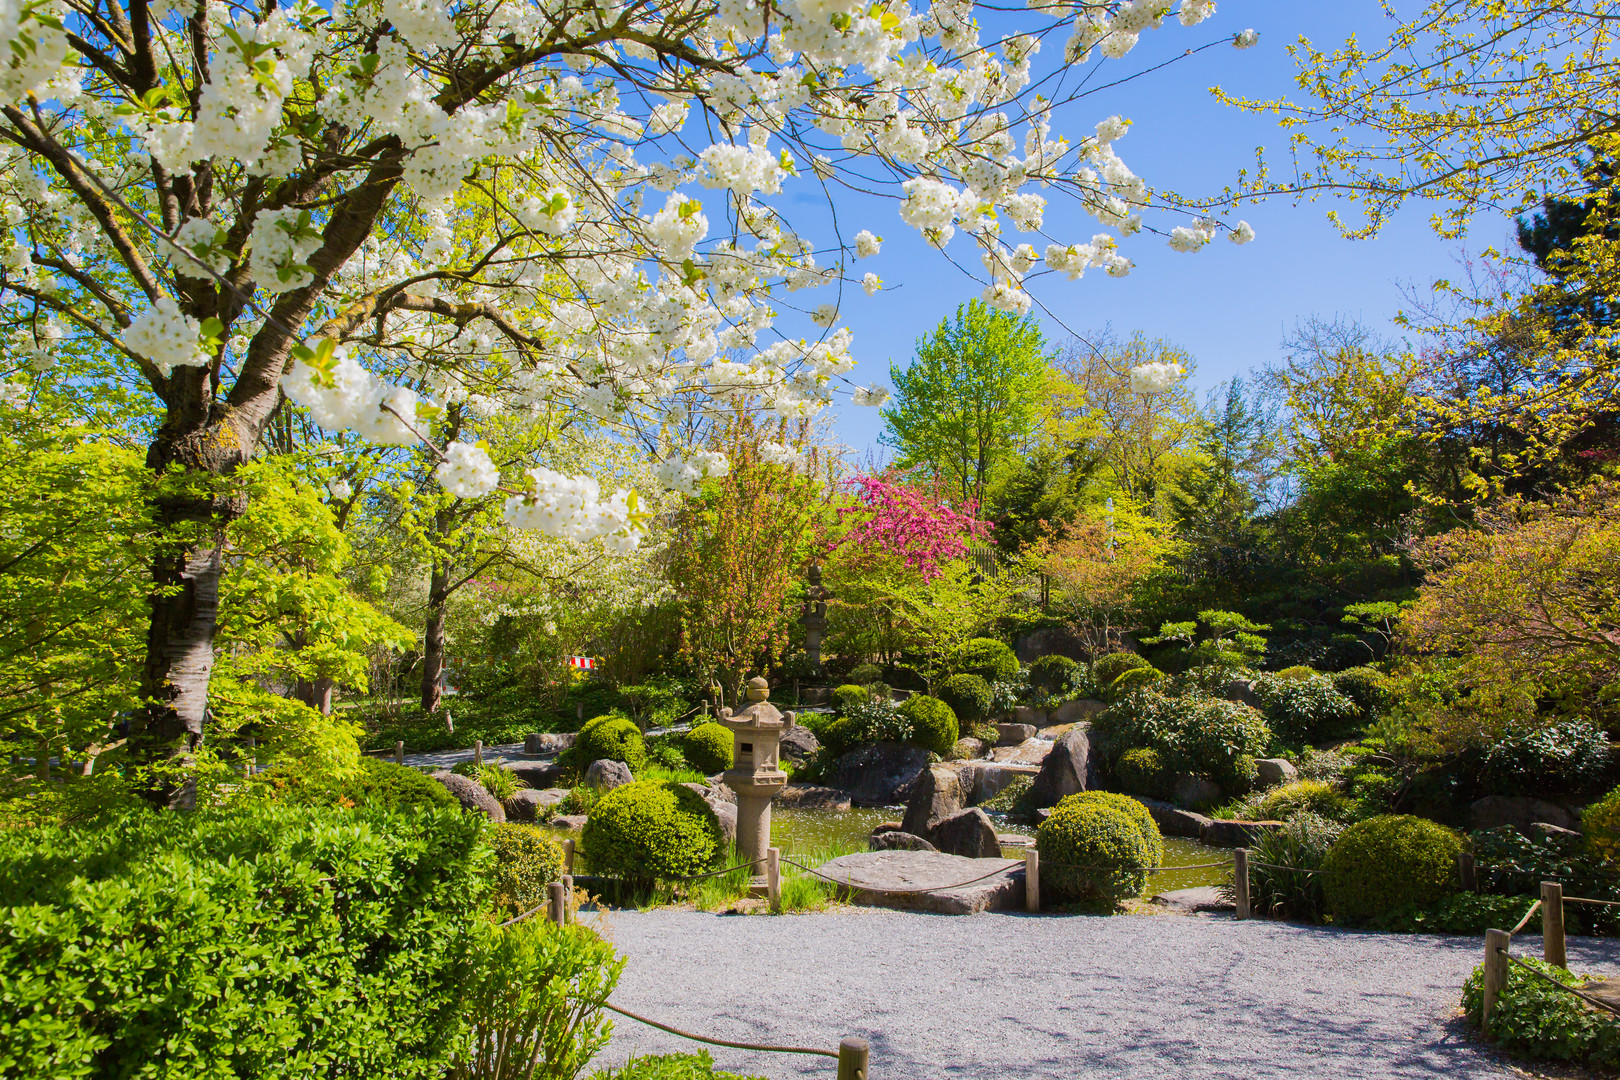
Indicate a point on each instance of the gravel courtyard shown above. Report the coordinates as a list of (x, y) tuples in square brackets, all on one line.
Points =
[(1002, 996)]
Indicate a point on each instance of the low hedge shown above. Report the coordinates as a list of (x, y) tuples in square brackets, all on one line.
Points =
[(610, 738), (698, 1066), (375, 785), (651, 829), (1388, 862), (989, 659), (709, 748), (969, 697), (933, 723)]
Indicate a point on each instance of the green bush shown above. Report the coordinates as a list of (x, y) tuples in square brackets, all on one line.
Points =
[(1133, 809), (709, 748), (1367, 687), (1461, 913), (264, 941), (1092, 851), (668, 751), (651, 829), (1306, 708), (534, 1004), (1387, 862), (967, 695), (376, 785), (1141, 771), (1131, 681), (840, 737), (1536, 1020), (527, 860), (698, 1066), (933, 723), (499, 782), (1110, 666), (657, 702), (1301, 846), (1566, 755), (865, 674), (1298, 672), (1301, 796), (848, 695), (879, 720), (1054, 674), (1195, 734), (610, 738), (989, 659)]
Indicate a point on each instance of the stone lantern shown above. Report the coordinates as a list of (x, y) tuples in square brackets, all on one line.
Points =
[(756, 733)]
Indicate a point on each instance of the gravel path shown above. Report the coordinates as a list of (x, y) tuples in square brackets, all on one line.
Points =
[(1011, 996)]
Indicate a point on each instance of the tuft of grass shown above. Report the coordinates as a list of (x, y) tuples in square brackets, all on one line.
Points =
[(652, 771)]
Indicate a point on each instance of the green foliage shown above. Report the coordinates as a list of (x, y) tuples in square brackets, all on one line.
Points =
[(267, 941), (1302, 796), (865, 674), (1229, 640), (535, 1004), (656, 702), (698, 1066), (848, 695), (933, 723), (1461, 913), (1093, 851), (612, 738), (989, 659), (651, 829), (1141, 771), (499, 782), (527, 860), (1600, 823), (1367, 687), (1302, 844), (667, 751), (1535, 758), (1193, 734), (1540, 1021), (709, 748), (495, 719), (1110, 666), (374, 785), (1010, 799), (1298, 672), (1388, 862), (968, 696), (579, 800), (878, 720), (1131, 681), (1512, 864), (1133, 809), (1305, 707), (1054, 674)]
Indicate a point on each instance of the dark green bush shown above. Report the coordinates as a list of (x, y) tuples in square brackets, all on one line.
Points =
[(698, 1066), (612, 738), (1388, 862), (376, 785), (840, 737), (1367, 687), (1194, 734), (1054, 674), (651, 829), (967, 695), (933, 723), (989, 659), (1461, 913), (1092, 851), (1301, 845), (1110, 666), (1540, 1021), (1141, 771), (850, 694), (879, 720), (1306, 708), (1567, 755), (527, 860), (1512, 864), (709, 748), (265, 941), (865, 674)]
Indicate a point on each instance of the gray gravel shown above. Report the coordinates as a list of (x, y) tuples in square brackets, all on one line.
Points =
[(1070, 998)]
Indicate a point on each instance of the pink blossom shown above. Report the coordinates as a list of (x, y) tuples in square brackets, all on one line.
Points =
[(899, 520)]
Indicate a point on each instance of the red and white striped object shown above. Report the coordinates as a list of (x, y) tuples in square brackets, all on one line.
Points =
[(581, 662)]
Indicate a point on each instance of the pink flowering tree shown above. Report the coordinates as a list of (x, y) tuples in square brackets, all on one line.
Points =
[(894, 519)]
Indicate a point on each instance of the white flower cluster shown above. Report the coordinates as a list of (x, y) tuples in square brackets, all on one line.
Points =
[(13, 394), (1103, 251), (1155, 378), (167, 337), (1246, 39), (870, 397), (1202, 231), (572, 508), (467, 472), (743, 169), (777, 453), (686, 474), (34, 50), (867, 244), (677, 228), (352, 398), (282, 242), (339, 489), (552, 212)]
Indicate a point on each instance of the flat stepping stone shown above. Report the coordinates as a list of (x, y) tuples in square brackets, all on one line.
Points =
[(1200, 898), (1032, 751), (929, 881)]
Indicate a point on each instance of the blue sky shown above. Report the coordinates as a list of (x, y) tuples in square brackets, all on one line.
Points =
[(1230, 306)]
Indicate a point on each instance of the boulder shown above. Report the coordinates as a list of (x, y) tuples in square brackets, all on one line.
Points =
[(1555, 833), (880, 774), (897, 840), (528, 804), (1191, 901), (967, 749), (1030, 752), (984, 780), (1066, 769), (542, 745), (1013, 734), (970, 834), (1240, 690), (936, 795), (1519, 811), (1028, 714), (726, 814), (1174, 821), (472, 795), (1237, 833), (1274, 771), (811, 797), (1196, 790), (798, 743), (1074, 712), (538, 776), (607, 774), (1049, 641), (929, 881), (568, 821)]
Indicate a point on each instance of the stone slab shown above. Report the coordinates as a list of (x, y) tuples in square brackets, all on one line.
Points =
[(1172, 820), (987, 779), (1031, 751), (868, 873), (811, 797), (1199, 898)]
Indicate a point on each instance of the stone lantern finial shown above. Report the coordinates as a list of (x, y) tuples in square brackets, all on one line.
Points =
[(759, 689)]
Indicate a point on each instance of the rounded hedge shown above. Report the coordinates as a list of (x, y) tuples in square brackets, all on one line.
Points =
[(849, 695), (865, 674), (651, 829), (527, 860), (1110, 666), (612, 738), (1131, 681), (1388, 862), (1053, 673), (968, 696), (1141, 771), (709, 748), (989, 659), (933, 723), (1298, 671), (1367, 687), (1135, 811), (1092, 850)]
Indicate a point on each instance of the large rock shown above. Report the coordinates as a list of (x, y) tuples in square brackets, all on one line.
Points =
[(553, 743), (798, 743), (811, 797), (970, 834), (1067, 768), (528, 804), (1174, 821), (1031, 751), (607, 774), (1074, 712), (1272, 771), (1521, 812), (897, 840), (935, 796), (984, 780), (538, 776), (967, 749), (1220, 833), (1196, 790), (472, 795), (568, 821), (880, 774), (1013, 734), (1028, 714), (929, 881)]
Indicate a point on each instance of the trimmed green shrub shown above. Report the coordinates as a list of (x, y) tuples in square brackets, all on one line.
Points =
[(709, 748), (534, 1003), (1302, 796), (1368, 687), (376, 785), (1198, 735), (865, 674), (879, 720), (610, 738), (499, 782), (1131, 681), (840, 737), (1141, 771), (265, 941), (1387, 862), (1135, 811), (651, 829), (1297, 672), (933, 723), (989, 659), (527, 860), (698, 1066), (1306, 708), (1540, 1021), (1092, 851), (849, 695), (1569, 754), (1110, 666), (1054, 674), (967, 695)]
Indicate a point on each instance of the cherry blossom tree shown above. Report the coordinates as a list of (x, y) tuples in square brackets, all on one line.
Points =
[(894, 520)]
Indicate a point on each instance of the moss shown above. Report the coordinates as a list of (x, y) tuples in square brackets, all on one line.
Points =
[(651, 829), (933, 723), (1387, 862), (989, 659), (709, 748), (610, 738), (527, 860), (968, 696), (1142, 772), (1092, 851)]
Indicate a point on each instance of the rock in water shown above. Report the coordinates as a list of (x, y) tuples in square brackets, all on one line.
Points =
[(1073, 712), (470, 794), (880, 774), (1196, 790), (606, 774), (897, 840), (529, 804), (1220, 833), (935, 796), (1172, 820), (1067, 768), (970, 834)]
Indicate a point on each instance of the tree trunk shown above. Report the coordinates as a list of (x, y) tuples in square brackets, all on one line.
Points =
[(433, 639)]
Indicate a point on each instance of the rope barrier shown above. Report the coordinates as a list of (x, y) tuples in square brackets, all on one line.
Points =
[(1584, 900), (1526, 918), (1012, 864), (525, 915), (1588, 998), (721, 1042), (1290, 869)]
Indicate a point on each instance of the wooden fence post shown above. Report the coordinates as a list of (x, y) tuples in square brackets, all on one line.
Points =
[(773, 879), (568, 897), (568, 857), (559, 906), (399, 751), (1552, 924), (1467, 875), (478, 751), (1032, 880), (1495, 976), (853, 1057), (1240, 880)]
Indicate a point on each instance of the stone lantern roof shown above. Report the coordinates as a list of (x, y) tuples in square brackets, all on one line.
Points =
[(759, 714)]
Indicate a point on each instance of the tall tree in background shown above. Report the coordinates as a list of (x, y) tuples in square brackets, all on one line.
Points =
[(969, 399)]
